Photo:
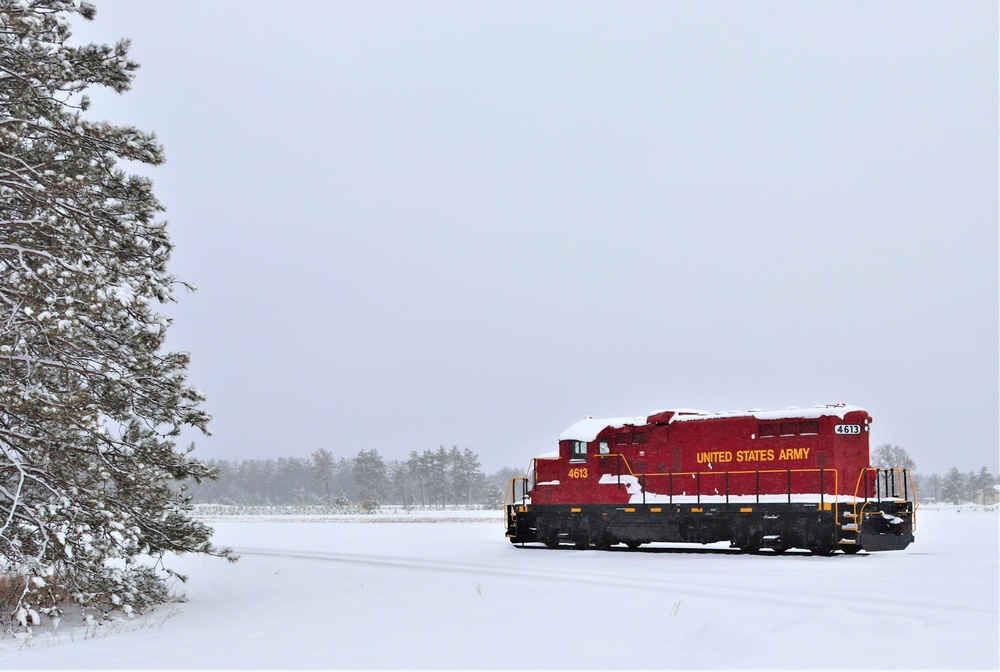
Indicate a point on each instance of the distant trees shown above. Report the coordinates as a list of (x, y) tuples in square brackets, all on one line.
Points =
[(433, 478), (953, 486), (932, 484), (325, 466), (465, 474), (399, 487), (983, 486), (888, 456), (372, 478), (283, 480), (444, 476), (956, 487)]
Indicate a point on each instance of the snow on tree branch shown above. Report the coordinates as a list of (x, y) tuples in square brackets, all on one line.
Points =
[(90, 402)]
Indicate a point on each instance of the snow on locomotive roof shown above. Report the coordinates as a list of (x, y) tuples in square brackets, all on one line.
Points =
[(588, 428)]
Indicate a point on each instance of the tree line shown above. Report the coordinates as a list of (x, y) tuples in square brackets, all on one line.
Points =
[(955, 486), (431, 479)]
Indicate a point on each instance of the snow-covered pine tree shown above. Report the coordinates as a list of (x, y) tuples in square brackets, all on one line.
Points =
[(371, 477), (984, 487), (466, 475), (324, 467), (954, 486), (90, 403)]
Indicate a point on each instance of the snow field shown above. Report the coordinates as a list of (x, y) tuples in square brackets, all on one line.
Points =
[(459, 595)]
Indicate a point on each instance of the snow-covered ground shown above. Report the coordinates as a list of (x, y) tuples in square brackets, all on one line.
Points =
[(319, 593)]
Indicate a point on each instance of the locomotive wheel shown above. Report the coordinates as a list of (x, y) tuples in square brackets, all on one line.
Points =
[(633, 544), (751, 544), (823, 551), (604, 543), (851, 549)]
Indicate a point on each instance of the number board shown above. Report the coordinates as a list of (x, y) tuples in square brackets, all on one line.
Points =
[(847, 429)]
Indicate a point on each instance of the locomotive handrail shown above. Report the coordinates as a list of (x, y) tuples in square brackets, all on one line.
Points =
[(508, 495), (530, 478), (906, 487), (822, 471), (883, 475)]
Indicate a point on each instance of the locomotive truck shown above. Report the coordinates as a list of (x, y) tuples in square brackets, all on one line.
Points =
[(798, 478)]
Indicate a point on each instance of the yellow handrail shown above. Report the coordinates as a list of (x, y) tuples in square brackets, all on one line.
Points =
[(508, 496), (903, 474), (835, 472), (720, 473)]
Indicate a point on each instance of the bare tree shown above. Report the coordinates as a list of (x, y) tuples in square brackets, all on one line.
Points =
[(888, 456)]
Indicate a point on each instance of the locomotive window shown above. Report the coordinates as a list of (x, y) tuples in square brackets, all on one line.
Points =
[(789, 428), (768, 429), (809, 427), (577, 450), (623, 439), (604, 447)]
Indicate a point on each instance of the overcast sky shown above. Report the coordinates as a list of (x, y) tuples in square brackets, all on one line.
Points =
[(416, 224)]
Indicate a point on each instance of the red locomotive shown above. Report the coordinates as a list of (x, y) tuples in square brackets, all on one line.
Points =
[(798, 478)]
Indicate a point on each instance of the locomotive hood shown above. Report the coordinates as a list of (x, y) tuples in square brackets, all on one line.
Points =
[(588, 428)]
